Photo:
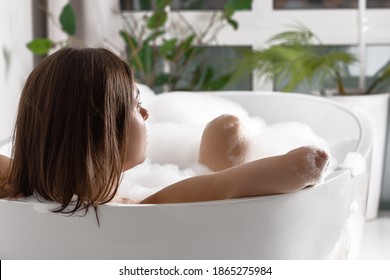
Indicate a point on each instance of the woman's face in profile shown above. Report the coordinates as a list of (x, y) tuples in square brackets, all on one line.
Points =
[(137, 142)]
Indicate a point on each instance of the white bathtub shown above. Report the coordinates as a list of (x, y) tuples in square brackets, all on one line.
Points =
[(322, 222)]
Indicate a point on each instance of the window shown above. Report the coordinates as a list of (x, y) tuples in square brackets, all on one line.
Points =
[(327, 4), (136, 5)]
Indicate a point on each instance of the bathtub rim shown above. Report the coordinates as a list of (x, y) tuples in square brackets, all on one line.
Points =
[(50, 205)]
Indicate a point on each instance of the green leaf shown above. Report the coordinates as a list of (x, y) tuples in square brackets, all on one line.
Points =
[(233, 23), (186, 44), (154, 35), (301, 35), (161, 4), (129, 40), (381, 79), (167, 49), (146, 57), (219, 83), (68, 20), (161, 79), (196, 75), (157, 20), (206, 78), (189, 53), (40, 46), (235, 5), (132, 46), (184, 49), (238, 5)]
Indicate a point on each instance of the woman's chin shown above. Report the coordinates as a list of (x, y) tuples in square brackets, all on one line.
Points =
[(130, 165)]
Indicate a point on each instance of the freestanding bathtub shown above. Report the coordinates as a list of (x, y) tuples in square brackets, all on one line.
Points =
[(321, 222)]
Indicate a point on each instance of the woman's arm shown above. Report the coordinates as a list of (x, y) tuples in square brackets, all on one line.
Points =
[(280, 174)]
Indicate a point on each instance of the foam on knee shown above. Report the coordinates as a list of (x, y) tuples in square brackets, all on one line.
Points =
[(315, 162)]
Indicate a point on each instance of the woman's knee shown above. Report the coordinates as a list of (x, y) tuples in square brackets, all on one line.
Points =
[(224, 143)]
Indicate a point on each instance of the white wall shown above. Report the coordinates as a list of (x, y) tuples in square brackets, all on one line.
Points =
[(101, 20), (16, 61), (99, 23)]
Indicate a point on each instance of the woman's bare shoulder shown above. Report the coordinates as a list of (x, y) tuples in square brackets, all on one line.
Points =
[(4, 163)]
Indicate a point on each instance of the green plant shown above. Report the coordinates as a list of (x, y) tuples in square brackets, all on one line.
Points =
[(162, 47), (297, 56), (67, 23)]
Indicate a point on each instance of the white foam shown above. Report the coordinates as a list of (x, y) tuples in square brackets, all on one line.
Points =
[(146, 94), (173, 143), (148, 178), (316, 173), (311, 163), (280, 138), (355, 162), (193, 109), (177, 120), (175, 127)]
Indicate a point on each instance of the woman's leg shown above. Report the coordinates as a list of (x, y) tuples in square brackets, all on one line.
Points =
[(223, 144)]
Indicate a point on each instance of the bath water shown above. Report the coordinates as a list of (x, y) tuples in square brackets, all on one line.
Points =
[(175, 127)]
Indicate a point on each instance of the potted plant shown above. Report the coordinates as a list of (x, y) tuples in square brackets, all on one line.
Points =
[(297, 57), (162, 46)]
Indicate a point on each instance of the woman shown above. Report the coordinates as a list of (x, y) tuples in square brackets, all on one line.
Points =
[(80, 125)]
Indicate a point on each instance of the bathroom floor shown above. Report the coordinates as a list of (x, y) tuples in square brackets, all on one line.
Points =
[(376, 238)]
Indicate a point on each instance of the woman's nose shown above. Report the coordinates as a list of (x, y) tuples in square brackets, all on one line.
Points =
[(144, 113)]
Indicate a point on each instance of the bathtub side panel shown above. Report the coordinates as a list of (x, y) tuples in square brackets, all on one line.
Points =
[(295, 226)]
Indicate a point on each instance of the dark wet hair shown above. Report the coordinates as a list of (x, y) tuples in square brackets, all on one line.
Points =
[(70, 135)]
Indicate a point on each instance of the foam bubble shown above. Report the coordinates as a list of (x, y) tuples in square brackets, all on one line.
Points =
[(194, 109), (280, 138), (317, 175), (148, 178), (355, 162), (311, 163), (146, 94), (173, 143), (175, 127)]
